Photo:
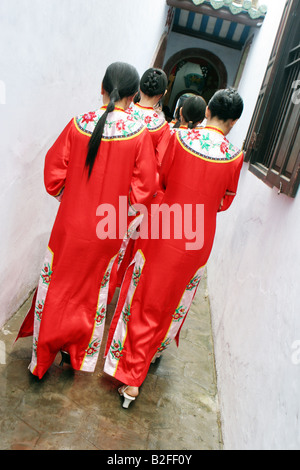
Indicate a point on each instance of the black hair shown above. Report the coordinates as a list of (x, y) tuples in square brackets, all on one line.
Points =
[(193, 110), (180, 102), (226, 104), (154, 82), (120, 80), (137, 98), (179, 105), (167, 112)]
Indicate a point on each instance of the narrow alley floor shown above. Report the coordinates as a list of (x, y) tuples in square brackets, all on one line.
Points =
[(68, 410)]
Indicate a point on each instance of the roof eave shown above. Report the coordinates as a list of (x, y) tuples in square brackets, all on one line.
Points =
[(223, 12)]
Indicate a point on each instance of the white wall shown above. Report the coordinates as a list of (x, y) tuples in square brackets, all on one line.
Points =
[(53, 54), (253, 281)]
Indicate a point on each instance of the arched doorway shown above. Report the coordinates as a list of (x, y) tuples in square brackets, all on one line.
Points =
[(193, 70)]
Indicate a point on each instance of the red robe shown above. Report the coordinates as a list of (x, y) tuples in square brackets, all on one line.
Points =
[(71, 299), (159, 286), (157, 126), (160, 134)]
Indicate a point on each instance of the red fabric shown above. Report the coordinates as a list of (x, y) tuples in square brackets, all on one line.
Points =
[(80, 258), (156, 125), (161, 135), (161, 139), (27, 325), (188, 178)]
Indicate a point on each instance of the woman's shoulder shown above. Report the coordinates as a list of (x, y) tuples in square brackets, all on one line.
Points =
[(86, 122), (119, 124), (153, 119), (210, 144)]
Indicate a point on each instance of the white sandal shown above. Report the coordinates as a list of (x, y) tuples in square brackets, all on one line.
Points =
[(127, 398)]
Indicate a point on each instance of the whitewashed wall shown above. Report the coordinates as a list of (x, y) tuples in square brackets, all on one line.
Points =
[(53, 54), (253, 280)]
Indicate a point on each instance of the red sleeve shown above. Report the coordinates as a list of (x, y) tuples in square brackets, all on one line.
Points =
[(56, 162), (167, 161), (163, 143), (144, 180), (232, 187)]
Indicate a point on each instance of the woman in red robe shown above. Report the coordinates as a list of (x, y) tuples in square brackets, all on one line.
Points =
[(200, 174), (100, 159), (153, 87), (145, 110)]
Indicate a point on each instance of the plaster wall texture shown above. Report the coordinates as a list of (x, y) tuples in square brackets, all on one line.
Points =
[(53, 55), (253, 282)]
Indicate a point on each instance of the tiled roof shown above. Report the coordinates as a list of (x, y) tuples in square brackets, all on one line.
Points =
[(226, 22), (236, 7)]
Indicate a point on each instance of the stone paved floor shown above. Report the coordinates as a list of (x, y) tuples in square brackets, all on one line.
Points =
[(67, 410)]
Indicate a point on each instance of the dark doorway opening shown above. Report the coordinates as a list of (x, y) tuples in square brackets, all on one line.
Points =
[(193, 71)]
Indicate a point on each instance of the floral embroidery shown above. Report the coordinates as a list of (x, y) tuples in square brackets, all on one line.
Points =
[(151, 119), (126, 314), (120, 125), (124, 128), (179, 313), (130, 231), (136, 275), (208, 144), (164, 345), (205, 142), (46, 274), (39, 307), (192, 134), (88, 117), (224, 147), (34, 346), (100, 315), (105, 279), (121, 256), (117, 124), (193, 282), (93, 347), (116, 349)]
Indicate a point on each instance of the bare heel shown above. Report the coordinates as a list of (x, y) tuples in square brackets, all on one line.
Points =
[(128, 399)]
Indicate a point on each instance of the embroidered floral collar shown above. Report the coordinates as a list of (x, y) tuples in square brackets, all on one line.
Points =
[(119, 124), (149, 117), (208, 143)]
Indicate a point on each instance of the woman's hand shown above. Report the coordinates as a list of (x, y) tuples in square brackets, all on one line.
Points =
[(227, 193)]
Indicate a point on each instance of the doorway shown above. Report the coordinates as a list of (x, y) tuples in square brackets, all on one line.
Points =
[(194, 71)]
